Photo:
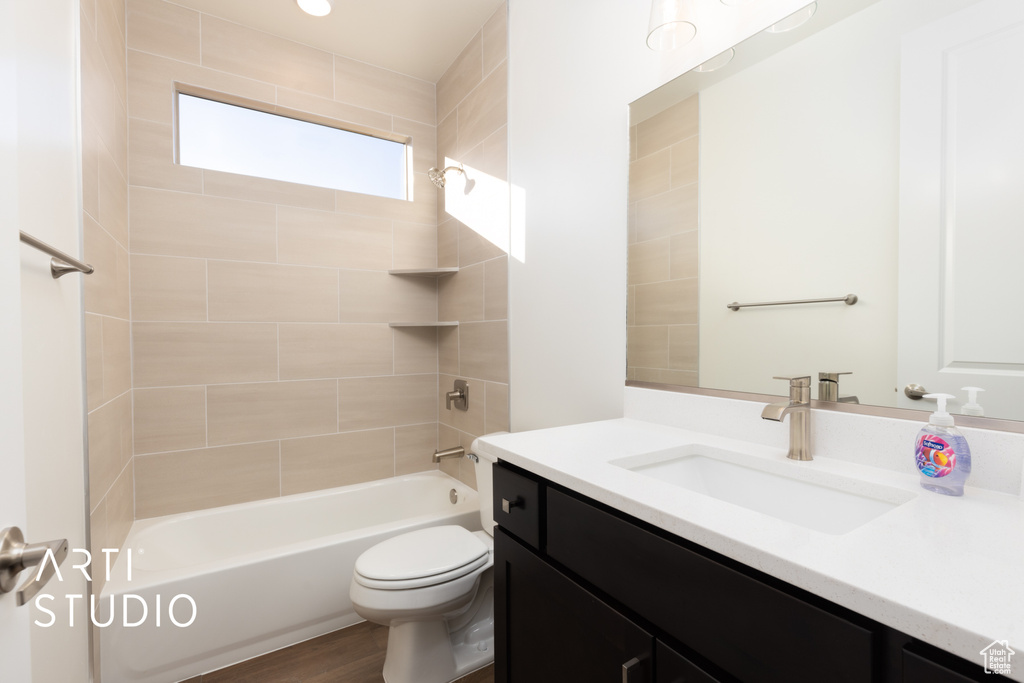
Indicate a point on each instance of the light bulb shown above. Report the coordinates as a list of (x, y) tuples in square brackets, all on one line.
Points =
[(318, 8)]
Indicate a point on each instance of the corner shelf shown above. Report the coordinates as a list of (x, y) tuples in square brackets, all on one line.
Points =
[(424, 272), (446, 323)]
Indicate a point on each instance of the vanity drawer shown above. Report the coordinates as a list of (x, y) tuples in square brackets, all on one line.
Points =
[(748, 628), (517, 501)]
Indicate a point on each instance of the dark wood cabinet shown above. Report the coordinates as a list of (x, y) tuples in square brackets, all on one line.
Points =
[(582, 590)]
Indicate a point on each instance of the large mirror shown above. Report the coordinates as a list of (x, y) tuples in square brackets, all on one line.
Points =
[(876, 150)]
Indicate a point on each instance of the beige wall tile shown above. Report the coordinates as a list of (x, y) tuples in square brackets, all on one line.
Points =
[(421, 208), (471, 420), (684, 255), (97, 541), (322, 462), (474, 248), (631, 305), (238, 413), (496, 418), (372, 402), (650, 175), (632, 143), (91, 144), (377, 297), (484, 110), (667, 213), (151, 153), (424, 142), (448, 350), (321, 351), (667, 303), (461, 296), (151, 85), (382, 90), (168, 288), (415, 350), (113, 198), (176, 354), (94, 360), (262, 292), (495, 39), (210, 477), (171, 419), (164, 29), (461, 77), (103, 108), (414, 448), (483, 351), (447, 139), (649, 261), (106, 290), (117, 370), (448, 244), (180, 224), (415, 245), (494, 156), (340, 111), (668, 127), (647, 347), (120, 504), (250, 188), (110, 35), (682, 347), (326, 238), (685, 160), (247, 52), (496, 289), (110, 443)]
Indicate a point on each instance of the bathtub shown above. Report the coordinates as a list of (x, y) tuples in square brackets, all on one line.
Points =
[(212, 588)]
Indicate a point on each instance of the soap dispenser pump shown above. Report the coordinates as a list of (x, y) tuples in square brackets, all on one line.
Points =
[(972, 407), (941, 453)]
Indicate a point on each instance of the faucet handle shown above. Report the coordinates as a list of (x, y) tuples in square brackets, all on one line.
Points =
[(803, 381), (831, 376)]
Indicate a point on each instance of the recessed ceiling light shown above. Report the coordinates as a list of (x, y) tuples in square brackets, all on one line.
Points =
[(318, 8), (794, 20)]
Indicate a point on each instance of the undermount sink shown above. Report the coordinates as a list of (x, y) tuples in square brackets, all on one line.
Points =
[(793, 493)]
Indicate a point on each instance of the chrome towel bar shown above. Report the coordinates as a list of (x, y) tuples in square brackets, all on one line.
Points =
[(849, 300), (61, 263)]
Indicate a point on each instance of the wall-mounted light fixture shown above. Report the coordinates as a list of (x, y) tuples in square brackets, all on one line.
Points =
[(318, 8), (669, 28)]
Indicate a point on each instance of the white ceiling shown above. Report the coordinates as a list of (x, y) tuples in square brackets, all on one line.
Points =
[(420, 38)]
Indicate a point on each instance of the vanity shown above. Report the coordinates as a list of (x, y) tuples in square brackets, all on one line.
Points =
[(610, 567)]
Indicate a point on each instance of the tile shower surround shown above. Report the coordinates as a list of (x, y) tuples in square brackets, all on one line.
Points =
[(662, 326), (253, 357)]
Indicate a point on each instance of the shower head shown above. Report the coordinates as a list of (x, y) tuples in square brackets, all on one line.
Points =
[(437, 176)]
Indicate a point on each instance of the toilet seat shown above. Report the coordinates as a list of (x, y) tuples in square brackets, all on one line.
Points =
[(421, 558)]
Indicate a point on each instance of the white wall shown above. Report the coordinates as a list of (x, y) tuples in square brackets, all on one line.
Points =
[(574, 66)]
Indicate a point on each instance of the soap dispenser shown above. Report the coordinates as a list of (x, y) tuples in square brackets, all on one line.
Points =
[(941, 452), (972, 407)]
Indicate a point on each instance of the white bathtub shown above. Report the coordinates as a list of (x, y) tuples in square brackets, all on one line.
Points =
[(263, 575)]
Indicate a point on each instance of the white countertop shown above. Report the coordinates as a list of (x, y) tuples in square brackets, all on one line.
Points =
[(945, 570)]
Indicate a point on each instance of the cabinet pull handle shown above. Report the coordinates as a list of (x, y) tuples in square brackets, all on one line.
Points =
[(629, 671), (507, 505)]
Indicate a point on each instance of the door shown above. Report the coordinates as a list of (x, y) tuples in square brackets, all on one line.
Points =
[(42, 461), (961, 208)]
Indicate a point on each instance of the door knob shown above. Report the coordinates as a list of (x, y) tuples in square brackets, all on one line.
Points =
[(914, 391), (16, 556)]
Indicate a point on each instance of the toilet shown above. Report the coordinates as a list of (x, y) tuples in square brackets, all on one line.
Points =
[(434, 589)]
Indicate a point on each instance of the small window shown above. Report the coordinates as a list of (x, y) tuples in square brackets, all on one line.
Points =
[(225, 137)]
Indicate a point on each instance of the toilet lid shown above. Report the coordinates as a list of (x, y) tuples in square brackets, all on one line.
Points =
[(423, 553)]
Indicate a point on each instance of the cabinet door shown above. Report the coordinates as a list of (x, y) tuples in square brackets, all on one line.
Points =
[(550, 630), (672, 667)]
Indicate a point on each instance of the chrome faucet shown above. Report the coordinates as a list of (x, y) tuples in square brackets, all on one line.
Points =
[(828, 388), (799, 410)]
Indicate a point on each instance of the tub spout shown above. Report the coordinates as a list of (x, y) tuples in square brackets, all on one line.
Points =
[(454, 452)]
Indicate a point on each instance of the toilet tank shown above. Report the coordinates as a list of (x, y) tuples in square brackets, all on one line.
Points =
[(485, 488)]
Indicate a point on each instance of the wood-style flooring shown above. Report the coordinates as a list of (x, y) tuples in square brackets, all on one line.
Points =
[(351, 655)]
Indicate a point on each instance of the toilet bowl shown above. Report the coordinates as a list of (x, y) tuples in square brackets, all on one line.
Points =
[(434, 589)]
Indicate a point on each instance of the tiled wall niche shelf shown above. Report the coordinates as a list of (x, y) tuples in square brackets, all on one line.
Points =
[(424, 272), (443, 323)]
